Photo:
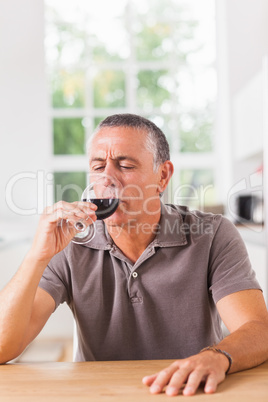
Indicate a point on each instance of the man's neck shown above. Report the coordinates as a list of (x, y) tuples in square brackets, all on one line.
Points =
[(134, 237)]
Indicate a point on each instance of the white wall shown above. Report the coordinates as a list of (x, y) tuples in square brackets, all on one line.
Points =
[(23, 102), (24, 137), (247, 35), (247, 28)]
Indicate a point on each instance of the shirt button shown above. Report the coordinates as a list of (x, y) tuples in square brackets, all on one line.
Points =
[(134, 275)]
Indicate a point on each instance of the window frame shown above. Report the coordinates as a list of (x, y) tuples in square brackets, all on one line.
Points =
[(131, 66)]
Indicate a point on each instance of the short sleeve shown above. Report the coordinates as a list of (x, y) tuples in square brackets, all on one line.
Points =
[(230, 269), (55, 279)]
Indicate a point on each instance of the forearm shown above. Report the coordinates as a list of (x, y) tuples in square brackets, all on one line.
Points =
[(24, 309), (16, 304), (247, 345)]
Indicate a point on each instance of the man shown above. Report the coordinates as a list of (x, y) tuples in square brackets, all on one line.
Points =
[(152, 284)]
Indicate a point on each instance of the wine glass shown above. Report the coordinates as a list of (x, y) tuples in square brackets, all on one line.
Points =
[(104, 192)]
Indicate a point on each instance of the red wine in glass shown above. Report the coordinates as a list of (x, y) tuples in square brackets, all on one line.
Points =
[(103, 191), (106, 206)]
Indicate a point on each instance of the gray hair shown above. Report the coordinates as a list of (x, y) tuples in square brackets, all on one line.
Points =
[(156, 141)]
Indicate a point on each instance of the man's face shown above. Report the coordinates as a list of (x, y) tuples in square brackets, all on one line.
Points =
[(121, 152)]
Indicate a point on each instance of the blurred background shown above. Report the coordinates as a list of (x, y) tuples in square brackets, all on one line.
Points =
[(198, 69)]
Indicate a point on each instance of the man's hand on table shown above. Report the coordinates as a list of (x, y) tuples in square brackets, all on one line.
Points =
[(208, 367)]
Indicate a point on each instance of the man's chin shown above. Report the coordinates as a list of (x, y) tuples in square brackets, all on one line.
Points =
[(117, 219)]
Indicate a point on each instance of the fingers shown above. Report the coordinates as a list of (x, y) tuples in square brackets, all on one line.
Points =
[(178, 379), (186, 375), (211, 385), (71, 211), (149, 379), (158, 381), (193, 382)]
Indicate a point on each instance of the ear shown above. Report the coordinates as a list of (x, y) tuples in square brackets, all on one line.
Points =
[(165, 171)]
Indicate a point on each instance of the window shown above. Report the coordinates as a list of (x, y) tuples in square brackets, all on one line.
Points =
[(151, 57)]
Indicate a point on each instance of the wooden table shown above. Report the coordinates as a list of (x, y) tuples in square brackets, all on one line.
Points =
[(115, 381)]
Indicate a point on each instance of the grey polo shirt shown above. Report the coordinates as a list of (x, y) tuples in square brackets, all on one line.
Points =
[(161, 307)]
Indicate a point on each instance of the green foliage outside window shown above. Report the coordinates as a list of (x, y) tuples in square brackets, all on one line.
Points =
[(69, 136), (109, 89), (68, 186), (68, 89), (154, 42), (151, 90)]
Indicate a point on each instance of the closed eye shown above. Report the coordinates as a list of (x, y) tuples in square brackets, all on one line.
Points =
[(126, 167), (97, 168)]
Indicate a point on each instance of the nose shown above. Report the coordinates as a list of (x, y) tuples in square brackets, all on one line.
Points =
[(114, 179), (111, 171)]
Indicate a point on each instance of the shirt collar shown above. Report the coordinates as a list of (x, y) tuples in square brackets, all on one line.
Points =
[(171, 228)]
